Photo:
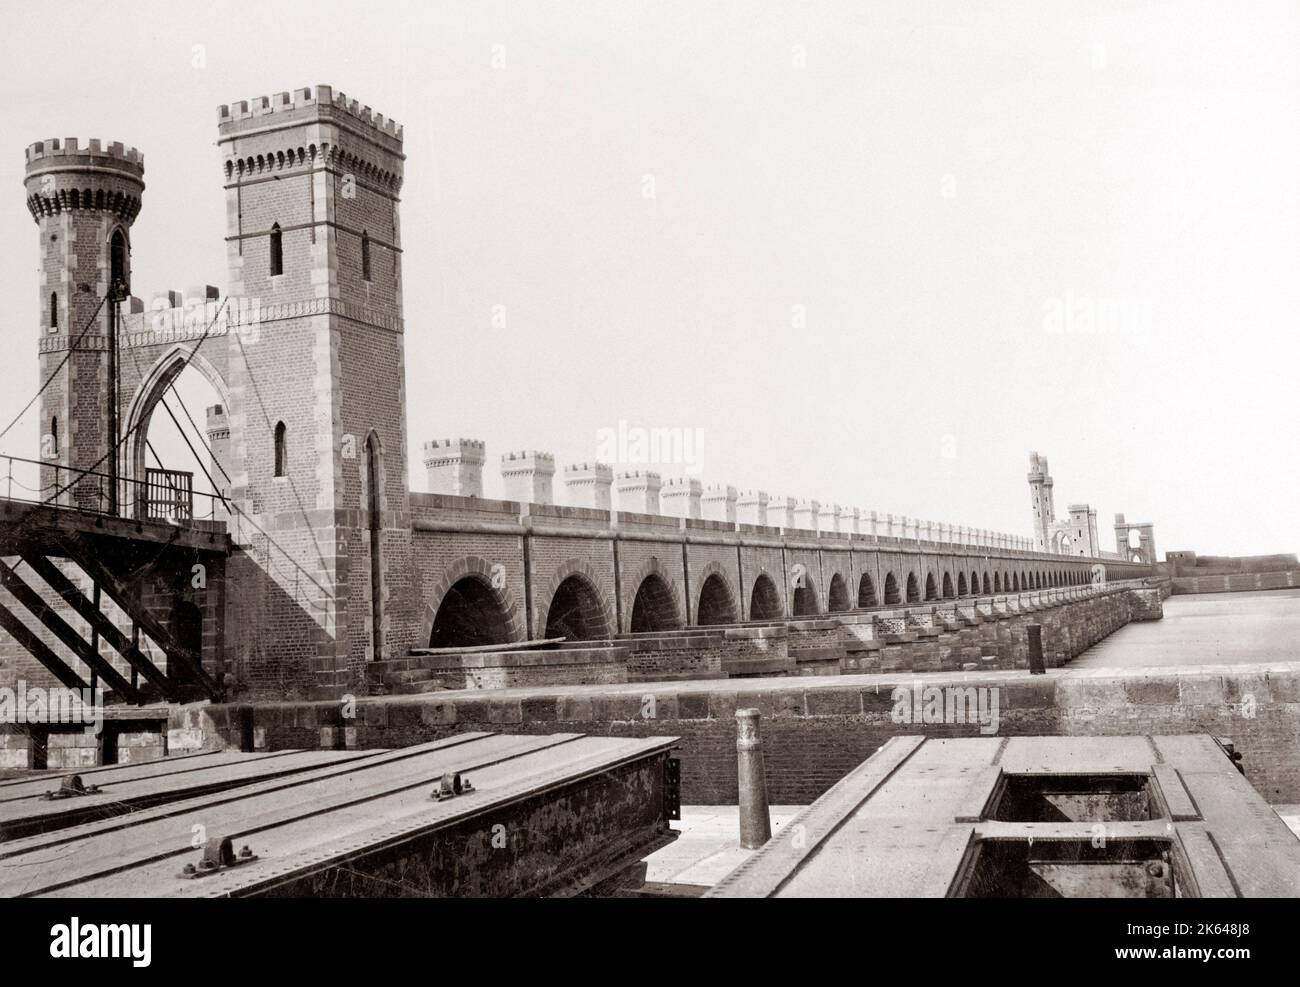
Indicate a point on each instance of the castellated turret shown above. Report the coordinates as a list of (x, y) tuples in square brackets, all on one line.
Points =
[(84, 200), (318, 388), (1042, 501)]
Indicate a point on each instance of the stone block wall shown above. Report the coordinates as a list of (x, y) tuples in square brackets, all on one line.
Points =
[(816, 730)]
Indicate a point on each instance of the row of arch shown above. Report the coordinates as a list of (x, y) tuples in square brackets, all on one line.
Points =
[(272, 161), (474, 613)]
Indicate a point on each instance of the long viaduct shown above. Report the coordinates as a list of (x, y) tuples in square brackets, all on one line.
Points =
[(321, 562)]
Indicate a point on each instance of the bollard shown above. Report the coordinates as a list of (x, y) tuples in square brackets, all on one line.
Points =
[(755, 823), (1036, 650)]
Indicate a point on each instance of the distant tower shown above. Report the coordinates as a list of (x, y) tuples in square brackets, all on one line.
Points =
[(317, 390), (218, 430), (1135, 540), (84, 200), (1040, 488)]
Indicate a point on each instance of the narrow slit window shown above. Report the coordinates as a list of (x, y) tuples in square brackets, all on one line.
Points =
[(119, 280), (277, 251), (365, 255), (54, 311), (281, 449)]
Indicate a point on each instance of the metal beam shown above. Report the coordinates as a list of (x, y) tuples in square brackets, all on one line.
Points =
[(39, 650), (90, 613), (83, 554), (65, 632)]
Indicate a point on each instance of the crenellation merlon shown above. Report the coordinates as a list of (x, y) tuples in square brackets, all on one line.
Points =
[(464, 449), (58, 149), (312, 97)]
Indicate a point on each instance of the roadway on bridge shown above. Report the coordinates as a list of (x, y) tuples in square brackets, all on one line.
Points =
[(1210, 628)]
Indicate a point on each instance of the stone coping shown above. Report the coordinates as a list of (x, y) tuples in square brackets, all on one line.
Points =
[(746, 689), (525, 659)]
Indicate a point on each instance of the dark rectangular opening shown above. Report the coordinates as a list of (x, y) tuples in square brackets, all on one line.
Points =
[(1076, 798), (1141, 868)]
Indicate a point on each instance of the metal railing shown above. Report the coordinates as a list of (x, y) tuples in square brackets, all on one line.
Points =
[(169, 495), (163, 495)]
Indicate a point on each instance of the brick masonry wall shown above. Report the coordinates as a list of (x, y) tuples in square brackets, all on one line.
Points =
[(815, 731), (1242, 582)]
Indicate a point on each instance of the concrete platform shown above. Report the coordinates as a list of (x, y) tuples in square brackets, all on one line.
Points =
[(707, 846)]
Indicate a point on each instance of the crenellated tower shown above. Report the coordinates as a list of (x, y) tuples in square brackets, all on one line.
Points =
[(84, 201), (317, 380), (1040, 489)]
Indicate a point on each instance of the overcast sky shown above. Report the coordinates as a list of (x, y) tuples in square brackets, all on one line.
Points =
[(874, 253)]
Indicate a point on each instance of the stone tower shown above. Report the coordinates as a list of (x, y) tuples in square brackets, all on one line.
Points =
[(1135, 540), (1040, 488), (84, 200), (317, 378)]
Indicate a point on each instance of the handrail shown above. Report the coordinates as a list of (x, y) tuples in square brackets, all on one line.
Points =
[(163, 495)]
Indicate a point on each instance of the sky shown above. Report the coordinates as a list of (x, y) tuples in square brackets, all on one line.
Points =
[(867, 253)]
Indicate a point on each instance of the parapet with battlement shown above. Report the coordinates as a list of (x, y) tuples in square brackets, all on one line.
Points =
[(62, 175)]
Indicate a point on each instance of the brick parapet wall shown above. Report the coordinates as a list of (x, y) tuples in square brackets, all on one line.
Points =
[(816, 730), (1242, 582)]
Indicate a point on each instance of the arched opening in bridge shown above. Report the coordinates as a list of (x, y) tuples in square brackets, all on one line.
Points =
[(997, 582), (174, 456), (1015, 582), (866, 592), (988, 584), (947, 586), (469, 616), (803, 602), (653, 608), (716, 605), (891, 590), (575, 612), (187, 629), (961, 584), (974, 584), (931, 588), (764, 601), (913, 588), (837, 595)]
